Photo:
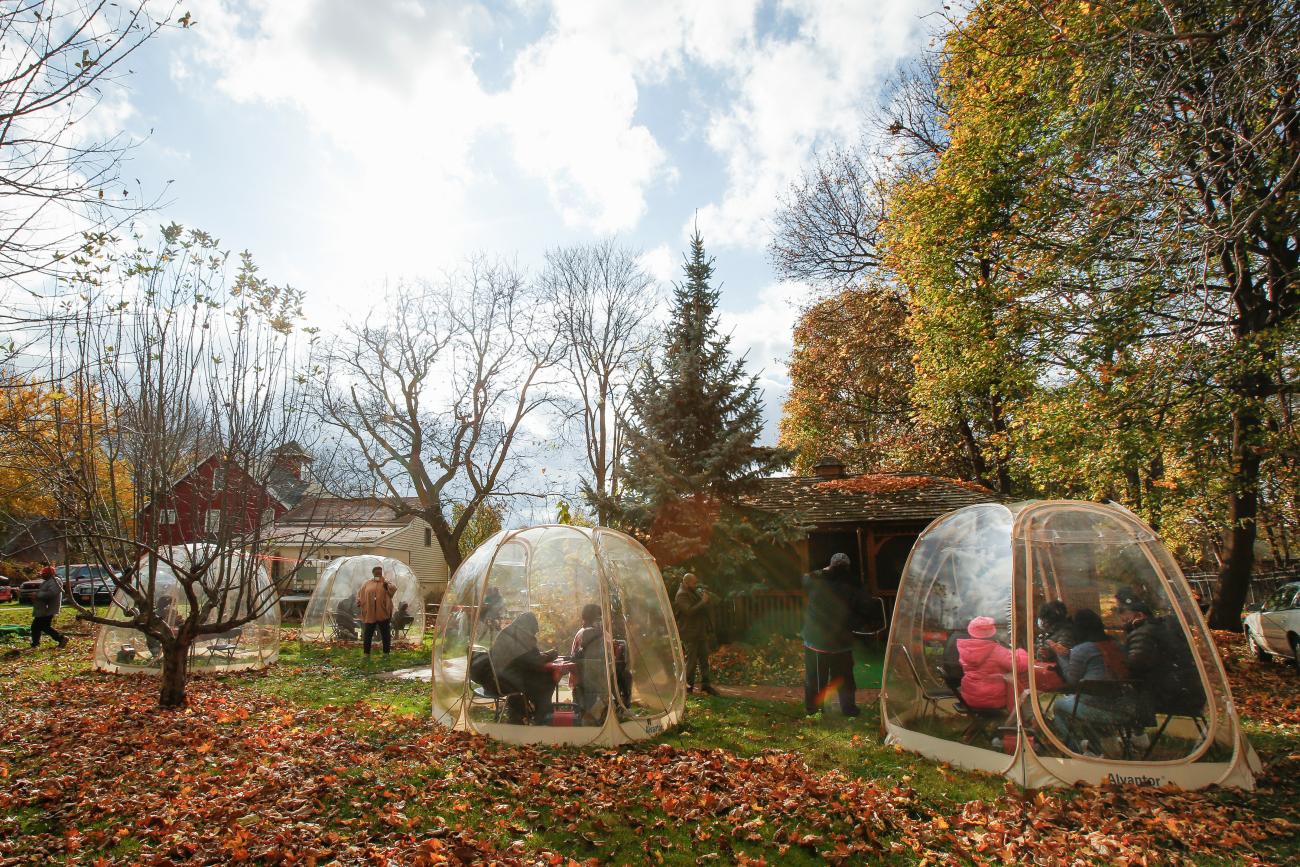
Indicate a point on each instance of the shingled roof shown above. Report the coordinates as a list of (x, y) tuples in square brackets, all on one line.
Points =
[(868, 497)]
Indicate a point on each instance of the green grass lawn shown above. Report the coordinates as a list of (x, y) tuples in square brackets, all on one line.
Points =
[(318, 752)]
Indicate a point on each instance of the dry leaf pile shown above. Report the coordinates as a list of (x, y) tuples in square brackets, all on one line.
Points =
[(92, 772)]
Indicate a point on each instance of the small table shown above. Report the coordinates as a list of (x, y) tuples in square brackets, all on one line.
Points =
[(294, 607)]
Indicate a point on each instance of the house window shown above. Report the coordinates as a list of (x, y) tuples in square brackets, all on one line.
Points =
[(268, 517), (428, 537), (212, 521), (167, 517), (218, 478)]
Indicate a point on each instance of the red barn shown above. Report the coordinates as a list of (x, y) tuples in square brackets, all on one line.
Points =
[(217, 496)]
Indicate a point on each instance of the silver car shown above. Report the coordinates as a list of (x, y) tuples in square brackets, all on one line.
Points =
[(1273, 628)]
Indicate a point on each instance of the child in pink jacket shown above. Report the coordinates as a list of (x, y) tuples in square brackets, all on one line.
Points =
[(985, 665)]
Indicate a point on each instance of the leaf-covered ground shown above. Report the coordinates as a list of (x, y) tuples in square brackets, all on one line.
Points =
[(314, 763)]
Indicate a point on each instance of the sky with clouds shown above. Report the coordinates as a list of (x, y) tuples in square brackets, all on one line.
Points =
[(350, 144)]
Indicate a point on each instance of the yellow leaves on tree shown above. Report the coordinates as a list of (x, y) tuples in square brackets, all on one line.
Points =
[(48, 445)]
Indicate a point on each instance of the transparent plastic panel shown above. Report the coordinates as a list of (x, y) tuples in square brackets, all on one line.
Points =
[(451, 635), (239, 587), (950, 669), (1120, 678), (540, 581), (649, 671)]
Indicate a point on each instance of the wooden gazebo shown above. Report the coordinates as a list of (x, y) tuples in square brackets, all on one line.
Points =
[(874, 518)]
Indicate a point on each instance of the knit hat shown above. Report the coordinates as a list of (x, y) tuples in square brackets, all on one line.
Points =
[(981, 627), (839, 560), (48, 572)]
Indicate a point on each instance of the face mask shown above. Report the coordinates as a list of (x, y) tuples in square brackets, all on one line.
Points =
[(1042, 624)]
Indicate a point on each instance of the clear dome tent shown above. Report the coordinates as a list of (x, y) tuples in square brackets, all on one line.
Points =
[(1056, 642), (558, 635), (333, 615), (245, 586)]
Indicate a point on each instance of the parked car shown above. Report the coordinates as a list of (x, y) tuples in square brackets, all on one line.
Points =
[(27, 591), (1273, 628), (8, 589), (94, 591), (72, 575)]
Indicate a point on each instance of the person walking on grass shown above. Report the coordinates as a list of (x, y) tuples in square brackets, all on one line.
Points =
[(375, 599), (692, 606), (836, 605), (49, 596)]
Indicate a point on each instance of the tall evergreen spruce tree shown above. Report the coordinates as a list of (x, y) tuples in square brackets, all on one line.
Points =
[(692, 446)]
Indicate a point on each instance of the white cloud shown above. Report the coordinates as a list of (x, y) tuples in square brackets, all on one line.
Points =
[(570, 114), (389, 86), (660, 263), (764, 334), (798, 93)]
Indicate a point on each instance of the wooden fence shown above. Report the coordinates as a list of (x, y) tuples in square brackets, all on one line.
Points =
[(1262, 583), (760, 613)]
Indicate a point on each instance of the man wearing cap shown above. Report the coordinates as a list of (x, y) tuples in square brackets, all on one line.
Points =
[(49, 596), (375, 599), (835, 605), (1159, 660), (692, 606)]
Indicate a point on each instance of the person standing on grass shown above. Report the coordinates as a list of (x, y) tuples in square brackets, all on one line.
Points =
[(375, 599), (49, 596), (835, 605), (692, 606)]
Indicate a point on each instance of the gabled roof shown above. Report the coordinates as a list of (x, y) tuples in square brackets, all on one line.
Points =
[(304, 535), (868, 497), (346, 512)]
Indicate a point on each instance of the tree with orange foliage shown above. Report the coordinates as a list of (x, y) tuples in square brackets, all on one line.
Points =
[(851, 376)]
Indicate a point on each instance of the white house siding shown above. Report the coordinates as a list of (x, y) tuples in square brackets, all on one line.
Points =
[(426, 562)]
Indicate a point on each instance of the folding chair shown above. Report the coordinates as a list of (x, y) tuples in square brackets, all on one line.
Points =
[(1197, 717), (1118, 694), (930, 695), (345, 627), (225, 645), (493, 692)]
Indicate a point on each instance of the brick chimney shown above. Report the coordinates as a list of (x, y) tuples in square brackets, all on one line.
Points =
[(829, 468)]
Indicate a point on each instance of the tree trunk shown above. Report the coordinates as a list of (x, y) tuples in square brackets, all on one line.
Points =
[(175, 669), (1243, 528)]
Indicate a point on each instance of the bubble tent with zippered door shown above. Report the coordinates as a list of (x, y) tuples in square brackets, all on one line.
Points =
[(1139, 695), (333, 614), (594, 595), (242, 581)]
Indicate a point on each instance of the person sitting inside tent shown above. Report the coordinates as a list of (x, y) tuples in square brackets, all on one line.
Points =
[(402, 619), (952, 660), (588, 678), (1096, 658), (492, 612), (1159, 658), (985, 664), (522, 670), (345, 619), (1055, 636)]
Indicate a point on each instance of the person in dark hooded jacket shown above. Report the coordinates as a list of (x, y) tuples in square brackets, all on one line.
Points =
[(1159, 658), (522, 668), (836, 605), (46, 607)]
